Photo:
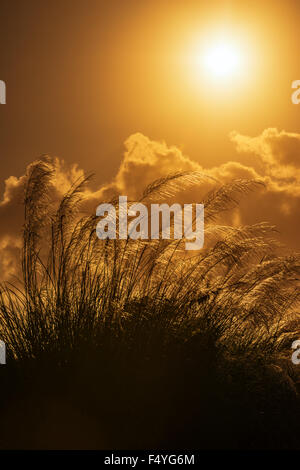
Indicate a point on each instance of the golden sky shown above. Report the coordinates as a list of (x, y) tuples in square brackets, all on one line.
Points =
[(83, 78)]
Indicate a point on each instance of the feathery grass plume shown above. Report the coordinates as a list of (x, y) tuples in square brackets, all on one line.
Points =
[(171, 184), (227, 310), (83, 285)]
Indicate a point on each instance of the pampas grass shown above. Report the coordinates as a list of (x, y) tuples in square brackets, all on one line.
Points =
[(142, 310)]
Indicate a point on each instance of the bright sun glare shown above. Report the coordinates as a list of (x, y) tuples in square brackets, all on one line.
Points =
[(219, 62), (221, 59)]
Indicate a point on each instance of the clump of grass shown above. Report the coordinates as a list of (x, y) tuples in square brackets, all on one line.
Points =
[(151, 330)]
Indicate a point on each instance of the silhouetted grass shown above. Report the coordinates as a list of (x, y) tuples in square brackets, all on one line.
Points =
[(132, 343)]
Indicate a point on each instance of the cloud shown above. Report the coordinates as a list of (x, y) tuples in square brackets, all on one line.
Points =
[(12, 211), (278, 156), (276, 162), (275, 156), (144, 161)]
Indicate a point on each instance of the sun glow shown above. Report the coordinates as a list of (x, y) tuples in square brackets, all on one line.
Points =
[(222, 59), (218, 58)]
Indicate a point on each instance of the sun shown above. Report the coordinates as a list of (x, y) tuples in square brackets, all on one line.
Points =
[(222, 59), (219, 65), (218, 58)]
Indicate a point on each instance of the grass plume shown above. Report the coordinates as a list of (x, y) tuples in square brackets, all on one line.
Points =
[(141, 329)]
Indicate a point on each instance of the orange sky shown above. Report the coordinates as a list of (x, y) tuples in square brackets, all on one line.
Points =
[(84, 76)]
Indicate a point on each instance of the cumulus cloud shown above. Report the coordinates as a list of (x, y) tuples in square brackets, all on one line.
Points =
[(275, 162), (145, 160), (12, 211), (278, 154)]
